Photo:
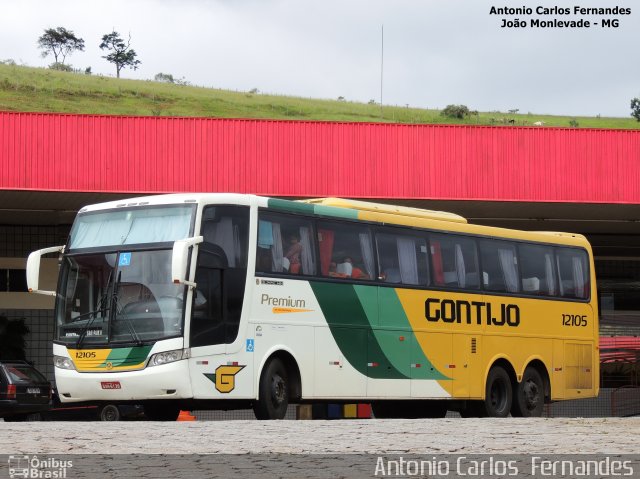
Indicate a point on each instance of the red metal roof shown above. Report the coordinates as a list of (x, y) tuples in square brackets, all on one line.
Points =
[(290, 158)]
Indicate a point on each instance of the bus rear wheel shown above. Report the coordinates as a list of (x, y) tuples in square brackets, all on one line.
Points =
[(529, 397), (273, 392), (498, 394)]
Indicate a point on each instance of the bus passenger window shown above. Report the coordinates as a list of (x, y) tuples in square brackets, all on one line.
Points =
[(573, 270), (285, 245), (455, 261), (536, 264), (346, 251), (500, 264), (402, 259)]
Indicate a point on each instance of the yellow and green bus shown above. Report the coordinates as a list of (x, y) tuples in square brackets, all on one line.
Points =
[(221, 301)]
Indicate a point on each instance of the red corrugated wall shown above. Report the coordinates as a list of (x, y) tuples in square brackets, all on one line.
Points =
[(289, 158)]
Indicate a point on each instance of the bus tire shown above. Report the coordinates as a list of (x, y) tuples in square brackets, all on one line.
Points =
[(273, 391), (498, 394), (110, 412), (156, 411), (529, 395)]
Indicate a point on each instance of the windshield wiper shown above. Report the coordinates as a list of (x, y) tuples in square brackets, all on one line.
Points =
[(129, 323), (114, 302), (89, 313), (101, 309), (84, 331)]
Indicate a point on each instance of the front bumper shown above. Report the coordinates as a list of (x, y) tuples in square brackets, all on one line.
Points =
[(168, 381)]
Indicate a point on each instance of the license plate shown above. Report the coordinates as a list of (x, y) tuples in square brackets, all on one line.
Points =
[(33, 390), (111, 385)]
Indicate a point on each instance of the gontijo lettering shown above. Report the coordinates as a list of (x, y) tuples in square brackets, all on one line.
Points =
[(458, 311)]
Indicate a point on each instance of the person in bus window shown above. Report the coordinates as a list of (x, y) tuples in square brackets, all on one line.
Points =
[(293, 254), (356, 273)]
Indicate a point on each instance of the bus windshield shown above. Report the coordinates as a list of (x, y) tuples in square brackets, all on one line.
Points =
[(126, 226), (119, 297)]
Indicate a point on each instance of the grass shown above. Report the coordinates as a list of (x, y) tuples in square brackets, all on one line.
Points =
[(42, 90)]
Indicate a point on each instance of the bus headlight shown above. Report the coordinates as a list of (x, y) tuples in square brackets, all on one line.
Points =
[(168, 357), (63, 363)]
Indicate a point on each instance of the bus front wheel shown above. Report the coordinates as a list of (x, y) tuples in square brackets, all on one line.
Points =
[(498, 394), (529, 396), (273, 392)]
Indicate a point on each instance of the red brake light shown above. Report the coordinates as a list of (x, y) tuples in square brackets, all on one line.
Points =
[(11, 391)]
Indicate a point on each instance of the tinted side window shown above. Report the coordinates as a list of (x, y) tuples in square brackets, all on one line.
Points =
[(227, 227), (285, 245), (454, 261), (402, 259), (345, 251), (573, 270), (499, 266), (538, 273), (220, 275)]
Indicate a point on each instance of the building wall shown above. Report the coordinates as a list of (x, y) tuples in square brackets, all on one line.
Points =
[(16, 242), (286, 158)]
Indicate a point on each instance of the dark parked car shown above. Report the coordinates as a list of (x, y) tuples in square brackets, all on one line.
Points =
[(91, 412), (24, 392)]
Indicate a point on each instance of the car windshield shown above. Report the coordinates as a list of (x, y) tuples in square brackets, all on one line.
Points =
[(118, 297), (23, 374)]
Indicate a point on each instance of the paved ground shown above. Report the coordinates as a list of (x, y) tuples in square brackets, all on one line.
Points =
[(429, 436)]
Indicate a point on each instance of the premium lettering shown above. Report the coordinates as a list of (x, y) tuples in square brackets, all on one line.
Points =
[(288, 301)]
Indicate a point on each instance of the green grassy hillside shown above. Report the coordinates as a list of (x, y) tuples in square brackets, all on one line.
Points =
[(43, 90)]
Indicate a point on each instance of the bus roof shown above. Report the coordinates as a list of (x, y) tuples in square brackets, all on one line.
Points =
[(389, 209)]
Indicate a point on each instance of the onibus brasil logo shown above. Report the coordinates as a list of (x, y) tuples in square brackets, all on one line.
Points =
[(34, 467)]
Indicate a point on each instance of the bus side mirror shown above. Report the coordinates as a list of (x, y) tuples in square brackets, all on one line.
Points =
[(33, 269), (180, 259)]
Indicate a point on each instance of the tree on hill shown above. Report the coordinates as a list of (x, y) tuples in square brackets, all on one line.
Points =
[(121, 54), (164, 77), (456, 111), (59, 42), (635, 108)]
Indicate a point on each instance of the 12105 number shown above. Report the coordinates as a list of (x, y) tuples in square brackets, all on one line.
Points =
[(574, 320)]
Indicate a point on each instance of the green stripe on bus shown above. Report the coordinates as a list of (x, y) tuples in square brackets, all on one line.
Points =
[(396, 350), (336, 212), (127, 356), (310, 209), (290, 206), (352, 331)]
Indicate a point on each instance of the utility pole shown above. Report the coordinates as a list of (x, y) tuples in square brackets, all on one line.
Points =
[(381, 70)]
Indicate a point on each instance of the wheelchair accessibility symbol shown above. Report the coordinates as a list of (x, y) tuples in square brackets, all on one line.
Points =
[(250, 345)]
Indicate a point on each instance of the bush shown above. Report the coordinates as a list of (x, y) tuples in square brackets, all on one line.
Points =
[(455, 111), (164, 77), (61, 67), (13, 341), (573, 123), (635, 108)]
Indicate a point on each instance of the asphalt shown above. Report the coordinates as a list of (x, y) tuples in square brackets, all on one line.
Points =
[(433, 436)]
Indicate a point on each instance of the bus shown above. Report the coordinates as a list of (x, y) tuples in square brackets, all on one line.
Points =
[(226, 301)]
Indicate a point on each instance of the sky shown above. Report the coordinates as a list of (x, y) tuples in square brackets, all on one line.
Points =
[(436, 52)]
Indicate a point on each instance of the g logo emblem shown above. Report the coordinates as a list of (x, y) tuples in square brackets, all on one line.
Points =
[(225, 378), (109, 366)]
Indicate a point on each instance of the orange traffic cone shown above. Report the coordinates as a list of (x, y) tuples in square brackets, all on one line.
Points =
[(186, 416)]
